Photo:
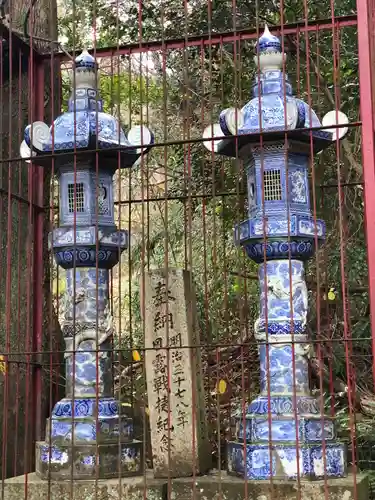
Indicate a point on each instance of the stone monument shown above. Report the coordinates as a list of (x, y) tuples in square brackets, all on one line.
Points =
[(87, 435), (180, 445), (283, 434)]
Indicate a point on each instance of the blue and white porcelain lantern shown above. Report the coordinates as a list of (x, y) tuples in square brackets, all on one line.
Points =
[(87, 432), (85, 130), (273, 134)]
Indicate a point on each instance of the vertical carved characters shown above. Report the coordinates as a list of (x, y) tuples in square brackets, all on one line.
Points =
[(174, 376)]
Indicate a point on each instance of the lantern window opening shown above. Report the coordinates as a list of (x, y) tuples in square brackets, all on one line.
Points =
[(272, 185), (76, 195), (103, 202)]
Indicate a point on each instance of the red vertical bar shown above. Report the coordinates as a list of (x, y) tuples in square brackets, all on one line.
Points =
[(38, 271), (365, 13)]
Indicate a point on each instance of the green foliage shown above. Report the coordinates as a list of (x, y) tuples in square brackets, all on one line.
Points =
[(122, 88)]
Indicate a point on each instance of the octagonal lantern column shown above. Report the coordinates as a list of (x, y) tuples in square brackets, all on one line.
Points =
[(283, 435), (87, 435)]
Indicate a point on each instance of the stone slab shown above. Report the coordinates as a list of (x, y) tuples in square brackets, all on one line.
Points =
[(179, 437), (212, 487), (224, 487), (31, 487)]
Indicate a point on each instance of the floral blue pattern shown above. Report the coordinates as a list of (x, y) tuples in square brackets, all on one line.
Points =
[(91, 235), (301, 226), (86, 246), (84, 126), (283, 405), (298, 186), (309, 429), (276, 370), (106, 257), (286, 462), (302, 250), (283, 295), (89, 461), (90, 431)]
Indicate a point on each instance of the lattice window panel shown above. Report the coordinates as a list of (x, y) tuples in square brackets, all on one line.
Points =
[(103, 201), (76, 198), (272, 185)]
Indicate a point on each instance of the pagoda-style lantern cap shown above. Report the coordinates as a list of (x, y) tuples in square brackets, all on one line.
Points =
[(269, 55), (85, 61), (268, 43), (85, 73), (85, 128), (273, 110)]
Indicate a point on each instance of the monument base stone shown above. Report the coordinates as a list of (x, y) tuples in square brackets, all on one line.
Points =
[(224, 487), (33, 487), (211, 487)]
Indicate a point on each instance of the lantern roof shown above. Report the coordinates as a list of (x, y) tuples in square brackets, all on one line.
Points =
[(85, 127), (273, 111)]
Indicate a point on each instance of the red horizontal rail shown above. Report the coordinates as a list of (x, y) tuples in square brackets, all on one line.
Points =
[(217, 38)]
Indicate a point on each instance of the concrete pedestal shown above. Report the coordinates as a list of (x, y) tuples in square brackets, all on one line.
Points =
[(32, 487), (229, 488), (212, 487)]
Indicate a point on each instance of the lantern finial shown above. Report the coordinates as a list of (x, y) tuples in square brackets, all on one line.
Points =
[(268, 42), (85, 71)]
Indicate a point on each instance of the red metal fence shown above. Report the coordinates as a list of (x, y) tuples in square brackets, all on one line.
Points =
[(174, 67)]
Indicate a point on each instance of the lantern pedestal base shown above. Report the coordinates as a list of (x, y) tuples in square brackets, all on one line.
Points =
[(313, 461), (88, 438), (89, 461), (309, 429), (90, 430)]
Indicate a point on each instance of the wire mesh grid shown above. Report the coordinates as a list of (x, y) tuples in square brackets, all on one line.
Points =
[(272, 185), (186, 265)]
